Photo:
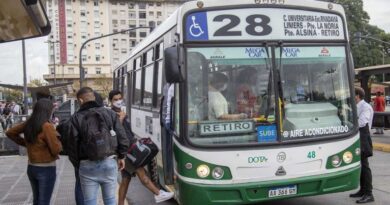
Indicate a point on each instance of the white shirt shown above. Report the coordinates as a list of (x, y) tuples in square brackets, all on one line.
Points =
[(16, 109), (365, 113), (217, 105)]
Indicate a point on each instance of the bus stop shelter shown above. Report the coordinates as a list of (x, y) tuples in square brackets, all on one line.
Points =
[(44, 91), (381, 119)]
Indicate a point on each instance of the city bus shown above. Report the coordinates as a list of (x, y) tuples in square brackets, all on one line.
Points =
[(263, 105)]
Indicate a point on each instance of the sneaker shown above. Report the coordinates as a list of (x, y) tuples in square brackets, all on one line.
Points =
[(163, 196)]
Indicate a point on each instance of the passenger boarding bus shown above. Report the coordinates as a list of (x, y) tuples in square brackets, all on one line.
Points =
[(263, 104)]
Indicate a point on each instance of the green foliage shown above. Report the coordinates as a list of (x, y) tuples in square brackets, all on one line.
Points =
[(103, 86), (12, 95), (366, 52), (36, 83)]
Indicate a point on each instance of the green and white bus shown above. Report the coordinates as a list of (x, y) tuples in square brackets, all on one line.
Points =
[(263, 104)]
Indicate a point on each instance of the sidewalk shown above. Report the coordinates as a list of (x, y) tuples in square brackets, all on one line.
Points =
[(15, 188), (381, 142)]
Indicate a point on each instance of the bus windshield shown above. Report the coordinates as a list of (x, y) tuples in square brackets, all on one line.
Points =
[(314, 91), (229, 90), (232, 98)]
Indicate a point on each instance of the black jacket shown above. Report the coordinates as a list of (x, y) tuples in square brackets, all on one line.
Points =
[(127, 126), (71, 131)]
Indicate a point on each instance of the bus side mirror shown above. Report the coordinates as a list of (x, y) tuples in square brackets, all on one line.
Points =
[(171, 64)]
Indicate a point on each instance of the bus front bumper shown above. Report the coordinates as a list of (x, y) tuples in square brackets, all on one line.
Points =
[(195, 194)]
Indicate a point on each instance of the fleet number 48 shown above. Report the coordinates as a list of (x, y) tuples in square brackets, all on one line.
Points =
[(311, 155)]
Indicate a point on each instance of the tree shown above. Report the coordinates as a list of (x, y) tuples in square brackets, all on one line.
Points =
[(13, 95), (103, 86), (365, 52), (36, 83)]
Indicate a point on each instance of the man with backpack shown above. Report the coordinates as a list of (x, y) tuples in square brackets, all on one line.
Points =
[(97, 139)]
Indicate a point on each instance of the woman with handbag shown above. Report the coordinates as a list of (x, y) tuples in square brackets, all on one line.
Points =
[(43, 148), (115, 97)]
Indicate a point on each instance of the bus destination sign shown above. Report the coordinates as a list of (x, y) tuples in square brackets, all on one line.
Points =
[(219, 127), (263, 23)]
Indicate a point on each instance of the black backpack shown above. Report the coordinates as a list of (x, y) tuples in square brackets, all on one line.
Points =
[(96, 135), (142, 152)]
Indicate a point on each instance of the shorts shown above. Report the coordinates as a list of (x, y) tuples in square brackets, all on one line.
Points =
[(129, 170)]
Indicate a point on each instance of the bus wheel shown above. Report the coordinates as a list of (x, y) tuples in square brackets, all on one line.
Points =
[(152, 171)]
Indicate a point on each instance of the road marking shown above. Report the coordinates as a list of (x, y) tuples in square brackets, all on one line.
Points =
[(381, 147)]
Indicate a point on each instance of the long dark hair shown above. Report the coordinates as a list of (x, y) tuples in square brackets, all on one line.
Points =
[(41, 114)]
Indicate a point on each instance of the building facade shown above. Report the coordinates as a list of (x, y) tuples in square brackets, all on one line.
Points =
[(75, 21), (130, 14)]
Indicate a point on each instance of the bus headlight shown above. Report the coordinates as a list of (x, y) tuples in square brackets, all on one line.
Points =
[(336, 161), (347, 157), (217, 173), (357, 151), (203, 171)]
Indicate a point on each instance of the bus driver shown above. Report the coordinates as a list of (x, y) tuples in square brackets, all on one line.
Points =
[(218, 106)]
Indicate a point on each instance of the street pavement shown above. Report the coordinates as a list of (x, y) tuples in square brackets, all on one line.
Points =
[(381, 142), (380, 167), (15, 188)]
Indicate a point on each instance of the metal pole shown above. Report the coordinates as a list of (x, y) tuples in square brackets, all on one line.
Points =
[(81, 68), (54, 54), (63, 74), (25, 103)]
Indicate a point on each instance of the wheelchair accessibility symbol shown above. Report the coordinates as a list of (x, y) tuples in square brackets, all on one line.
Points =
[(195, 29), (196, 26)]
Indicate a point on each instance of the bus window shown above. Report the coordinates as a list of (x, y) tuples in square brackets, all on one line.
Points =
[(137, 82), (148, 92), (315, 92), (149, 56), (137, 90), (159, 81), (159, 51), (122, 78), (229, 92), (125, 87)]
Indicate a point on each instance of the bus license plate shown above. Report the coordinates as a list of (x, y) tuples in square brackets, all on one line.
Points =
[(282, 191)]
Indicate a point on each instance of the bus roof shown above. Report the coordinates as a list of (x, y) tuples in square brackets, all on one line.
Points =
[(176, 18)]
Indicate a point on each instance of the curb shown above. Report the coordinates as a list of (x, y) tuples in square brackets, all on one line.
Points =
[(381, 147)]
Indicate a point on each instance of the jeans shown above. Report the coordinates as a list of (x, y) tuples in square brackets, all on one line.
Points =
[(78, 193), (42, 180), (98, 173)]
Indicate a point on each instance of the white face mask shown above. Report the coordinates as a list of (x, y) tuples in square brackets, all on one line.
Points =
[(118, 103), (223, 88)]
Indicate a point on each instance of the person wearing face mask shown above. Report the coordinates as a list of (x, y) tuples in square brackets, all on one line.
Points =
[(115, 98), (218, 106)]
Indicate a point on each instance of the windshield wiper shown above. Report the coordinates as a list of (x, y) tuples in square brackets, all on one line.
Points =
[(269, 87), (280, 89)]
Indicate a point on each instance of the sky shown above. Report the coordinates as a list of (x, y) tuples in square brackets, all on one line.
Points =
[(11, 63)]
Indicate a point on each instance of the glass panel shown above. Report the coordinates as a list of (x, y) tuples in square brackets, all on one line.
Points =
[(125, 89), (230, 95), (159, 84), (315, 92), (159, 79), (149, 56), (137, 91), (148, 94)]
